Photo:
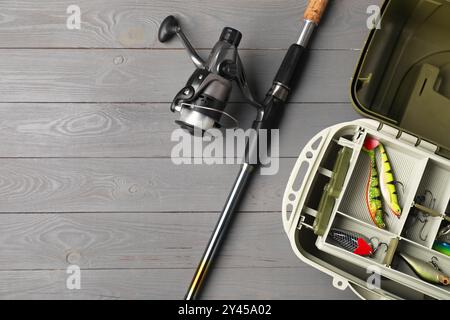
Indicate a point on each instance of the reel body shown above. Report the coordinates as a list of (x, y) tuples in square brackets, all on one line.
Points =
[(203, 100)]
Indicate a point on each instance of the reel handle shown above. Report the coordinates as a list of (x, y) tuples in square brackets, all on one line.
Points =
[(315, 10), (168, 29), (171, 27)]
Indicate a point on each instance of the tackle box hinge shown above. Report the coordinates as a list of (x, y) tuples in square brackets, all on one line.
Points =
[(388, 130), (427, 146), (418, 142), (408, 138)]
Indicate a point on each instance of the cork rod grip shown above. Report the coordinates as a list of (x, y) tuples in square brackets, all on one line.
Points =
[(315, 10)]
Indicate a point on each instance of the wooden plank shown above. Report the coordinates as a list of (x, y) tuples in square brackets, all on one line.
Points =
[(139, 240), (153, 75), (272, 283), (138, 226), (134, 24), (133, 130), (129, 185), (265, 283)]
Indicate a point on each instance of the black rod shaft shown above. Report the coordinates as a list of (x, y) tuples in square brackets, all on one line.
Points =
[(219, 231), (267, 119)]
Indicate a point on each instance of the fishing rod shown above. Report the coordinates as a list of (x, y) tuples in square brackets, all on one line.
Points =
[(202, 102)]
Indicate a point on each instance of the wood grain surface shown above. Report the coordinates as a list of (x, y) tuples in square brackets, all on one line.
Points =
[(289, 284), (125, 184), (138, 241), (70, 130), (123, 76), (85, 171), (135, 23)]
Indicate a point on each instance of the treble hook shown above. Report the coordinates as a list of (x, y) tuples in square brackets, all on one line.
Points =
[(434, 260), (379, 244), (425, 221), (432, 200)]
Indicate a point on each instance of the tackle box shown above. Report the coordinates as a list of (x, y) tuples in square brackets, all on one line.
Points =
[(402, 83)]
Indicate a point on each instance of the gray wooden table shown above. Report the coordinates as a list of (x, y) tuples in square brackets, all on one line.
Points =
[(85, 171)]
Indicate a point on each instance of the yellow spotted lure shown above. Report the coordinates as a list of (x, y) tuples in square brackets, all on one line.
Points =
[(387, 190), (373, 193)]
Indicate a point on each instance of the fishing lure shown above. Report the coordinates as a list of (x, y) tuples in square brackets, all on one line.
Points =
[(354, 242), (442, 247), (428, 271), (444, 234), (373, 193), (388, 182), (388, 188), (417, 214)]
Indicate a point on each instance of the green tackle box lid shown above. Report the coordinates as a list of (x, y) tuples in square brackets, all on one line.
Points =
[(403, 76)]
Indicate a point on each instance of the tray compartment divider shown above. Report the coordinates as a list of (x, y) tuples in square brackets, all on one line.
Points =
[(353, 201), (421, 252), (356, 147), (436, 178)]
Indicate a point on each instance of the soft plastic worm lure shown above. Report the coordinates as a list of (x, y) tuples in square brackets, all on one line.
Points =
[(428, 271), (354, 242), (373, 193)]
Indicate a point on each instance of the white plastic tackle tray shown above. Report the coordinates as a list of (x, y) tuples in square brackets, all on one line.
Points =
[(419, 169)]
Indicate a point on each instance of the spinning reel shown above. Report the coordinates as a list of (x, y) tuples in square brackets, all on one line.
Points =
[(202, 101)]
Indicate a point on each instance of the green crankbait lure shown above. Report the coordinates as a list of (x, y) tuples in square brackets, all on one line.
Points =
[(373, 193), (444, 234), (388, 188), (442, 247), (428, 271)]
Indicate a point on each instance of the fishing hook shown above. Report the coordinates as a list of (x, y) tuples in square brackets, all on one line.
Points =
[(434, 261), (415, 214), (424, 224), (425, 221), (432, 200), (378, 244)]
